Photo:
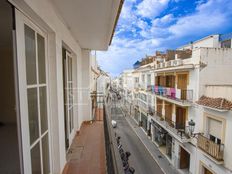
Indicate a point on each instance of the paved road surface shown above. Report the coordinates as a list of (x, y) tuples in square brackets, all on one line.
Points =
[(140, 158)]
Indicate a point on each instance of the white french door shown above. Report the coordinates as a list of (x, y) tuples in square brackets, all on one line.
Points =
[(31, 43), (68, 98)]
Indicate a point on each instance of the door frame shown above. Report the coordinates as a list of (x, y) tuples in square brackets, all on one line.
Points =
[(181, 118), (203, 166), (70, 134), (189, 157), (21, 19)]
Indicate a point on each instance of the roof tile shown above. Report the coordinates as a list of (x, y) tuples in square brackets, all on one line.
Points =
[(217, 103)]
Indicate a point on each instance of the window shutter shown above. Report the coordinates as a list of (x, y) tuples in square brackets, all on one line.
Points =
[(215, 128)]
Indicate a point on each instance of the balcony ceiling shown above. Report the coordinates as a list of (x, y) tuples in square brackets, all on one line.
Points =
[(91, 22)]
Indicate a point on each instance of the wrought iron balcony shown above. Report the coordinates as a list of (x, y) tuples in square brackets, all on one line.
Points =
[(211, 148), (151, 88), (180, 131), (151, 110), (180, 95)]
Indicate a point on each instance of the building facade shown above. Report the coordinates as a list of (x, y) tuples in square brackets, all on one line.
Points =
[(170, 101)]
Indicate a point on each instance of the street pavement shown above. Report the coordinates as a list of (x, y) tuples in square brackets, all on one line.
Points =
[(140, 158)]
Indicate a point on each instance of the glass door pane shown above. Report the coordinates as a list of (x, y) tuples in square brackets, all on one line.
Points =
[(35, 159), (33, 114), (30, 53), (36, 89), (68, 95), (45, 147), (41, 59)]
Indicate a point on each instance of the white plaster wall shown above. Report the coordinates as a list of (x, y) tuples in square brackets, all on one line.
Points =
[(219, 91), (202, 159), (152, 78), (211, 41), (44, 15), (102, 84), (194, 83), (218, 69), (85, 100), (190, 149), (228, 129), (93, 78)]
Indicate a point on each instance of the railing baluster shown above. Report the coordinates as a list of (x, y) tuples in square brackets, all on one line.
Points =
[(213, 149)]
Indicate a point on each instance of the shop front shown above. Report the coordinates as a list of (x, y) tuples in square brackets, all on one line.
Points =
[(144, 121), (169, 146), (137, 114), (159, 134)]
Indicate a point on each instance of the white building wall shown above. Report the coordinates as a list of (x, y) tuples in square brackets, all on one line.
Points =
[(222, 91), (85, 100), (227, 116), (202, 160), (43, 14), (217, 70), (209, 41), (102, 82)]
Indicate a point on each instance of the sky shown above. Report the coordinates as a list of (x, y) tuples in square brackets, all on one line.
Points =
[(147, 26)]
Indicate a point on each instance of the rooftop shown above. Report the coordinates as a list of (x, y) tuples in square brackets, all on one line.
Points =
[(215, 103)]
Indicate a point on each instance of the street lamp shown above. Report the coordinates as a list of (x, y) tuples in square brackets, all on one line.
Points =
[(191, 124)]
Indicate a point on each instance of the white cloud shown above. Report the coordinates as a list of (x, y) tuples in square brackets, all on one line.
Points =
[(163, 21), (123, 53), (151, 8), (142, 24), (158, 27), (211, 15), (159, 33)]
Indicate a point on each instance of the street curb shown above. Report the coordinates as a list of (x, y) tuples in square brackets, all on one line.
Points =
[(143, 142)]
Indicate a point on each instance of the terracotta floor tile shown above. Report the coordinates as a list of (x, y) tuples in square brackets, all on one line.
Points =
[(92, 158)]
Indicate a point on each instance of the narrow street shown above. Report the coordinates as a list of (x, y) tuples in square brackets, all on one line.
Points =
[(140, 158)]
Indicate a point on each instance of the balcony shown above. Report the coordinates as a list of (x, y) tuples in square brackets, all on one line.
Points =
[(151, 110), (160, 65), (213, 150), (170, 63), (179, 131), (95, 145), (151, 88), (183, 97)]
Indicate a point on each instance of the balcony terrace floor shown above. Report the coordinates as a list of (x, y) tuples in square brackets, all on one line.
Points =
[(87, 152)]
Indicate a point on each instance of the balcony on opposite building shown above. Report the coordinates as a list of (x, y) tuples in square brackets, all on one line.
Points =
[(213, 150)]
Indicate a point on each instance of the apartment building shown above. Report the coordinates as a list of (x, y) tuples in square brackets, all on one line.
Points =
[(48, 74), (213, 154), (127, 85), (191, 135)]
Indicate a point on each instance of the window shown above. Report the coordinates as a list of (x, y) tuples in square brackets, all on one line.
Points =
[(143, 97), (143, 78), (214, 130), (226, 44), (149, 79), (136, 79), (215, 139)]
